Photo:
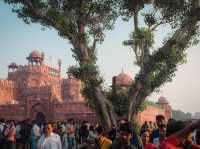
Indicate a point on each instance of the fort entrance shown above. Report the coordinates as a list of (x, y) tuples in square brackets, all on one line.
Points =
[(38, 112)]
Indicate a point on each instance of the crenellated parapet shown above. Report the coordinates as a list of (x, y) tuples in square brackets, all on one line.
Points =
[(39, 69), (72, 81), (7, 84)]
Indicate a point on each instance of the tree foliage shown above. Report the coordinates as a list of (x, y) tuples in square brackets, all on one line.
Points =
[(119, 97), (84, 24)]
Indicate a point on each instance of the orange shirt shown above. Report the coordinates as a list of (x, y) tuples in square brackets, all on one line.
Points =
[(104, 142)]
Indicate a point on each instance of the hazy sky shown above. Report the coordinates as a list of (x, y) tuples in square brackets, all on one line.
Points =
[(17, 40)]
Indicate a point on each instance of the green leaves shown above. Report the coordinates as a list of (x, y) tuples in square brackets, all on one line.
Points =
[(139, 36), (129, 7), (150, 19), (173, 11), (119, 98), (88, 73)]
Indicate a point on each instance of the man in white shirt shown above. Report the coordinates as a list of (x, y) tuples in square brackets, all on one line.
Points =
[(49, 140)]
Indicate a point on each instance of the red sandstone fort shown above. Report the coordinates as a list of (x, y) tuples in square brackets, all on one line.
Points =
[(38, 91)]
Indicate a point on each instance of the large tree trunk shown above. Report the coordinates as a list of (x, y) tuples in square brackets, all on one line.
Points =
[(104, 109)]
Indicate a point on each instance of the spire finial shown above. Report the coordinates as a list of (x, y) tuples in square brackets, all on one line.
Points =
[(122, 70)]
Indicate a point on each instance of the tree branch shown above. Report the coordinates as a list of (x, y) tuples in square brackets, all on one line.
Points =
[(135, 18), (180, 35), (94, 44), (161, 23), (47, 20)]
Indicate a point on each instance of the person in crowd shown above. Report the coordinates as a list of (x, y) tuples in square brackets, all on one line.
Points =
[(151, 125), (136, 140), (155, 125), (162, 132), (177, 132), (61, 129), (70, 128), (25, 133), (87, 146), (197, 136), (170, 120), (35, 135), (18, 135), (63, 134), (2, 137), (155, 135), (84, 132), (112, 134), (124, 139), (55, 126), (10, 133), (49, 140), (64, 140), (77, 132), (145, 126), (92, 135), (189, 141), (102, 142), (145, 136)]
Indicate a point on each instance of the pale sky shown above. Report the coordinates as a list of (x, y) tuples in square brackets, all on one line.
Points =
[(17, 40)]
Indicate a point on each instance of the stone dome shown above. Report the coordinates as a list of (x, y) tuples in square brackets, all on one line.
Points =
[(123, 79), (35, 57), (162, 100), (35, 54)]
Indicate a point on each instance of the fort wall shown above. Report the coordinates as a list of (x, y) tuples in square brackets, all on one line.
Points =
[(7, 93)]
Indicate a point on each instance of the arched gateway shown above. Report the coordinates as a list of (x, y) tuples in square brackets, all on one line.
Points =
[(38, 112), (40, 117)]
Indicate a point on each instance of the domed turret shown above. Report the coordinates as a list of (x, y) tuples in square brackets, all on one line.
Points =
[(123, 79), (35, 54), (13, 66), (35, 57), (162, 100)]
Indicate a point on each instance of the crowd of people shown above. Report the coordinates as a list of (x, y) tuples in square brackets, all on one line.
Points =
[(73, 135)]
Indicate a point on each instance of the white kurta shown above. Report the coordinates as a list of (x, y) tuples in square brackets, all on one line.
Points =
[(51, 142)]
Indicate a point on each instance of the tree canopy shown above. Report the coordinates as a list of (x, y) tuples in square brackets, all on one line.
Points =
[(84, 22)]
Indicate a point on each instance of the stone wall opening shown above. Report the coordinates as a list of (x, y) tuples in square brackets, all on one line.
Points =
[(38, 112), (40, 117)]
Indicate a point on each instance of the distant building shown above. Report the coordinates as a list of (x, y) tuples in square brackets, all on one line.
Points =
[(160, 108), (149, 114), (196, 115), (37, 91)]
